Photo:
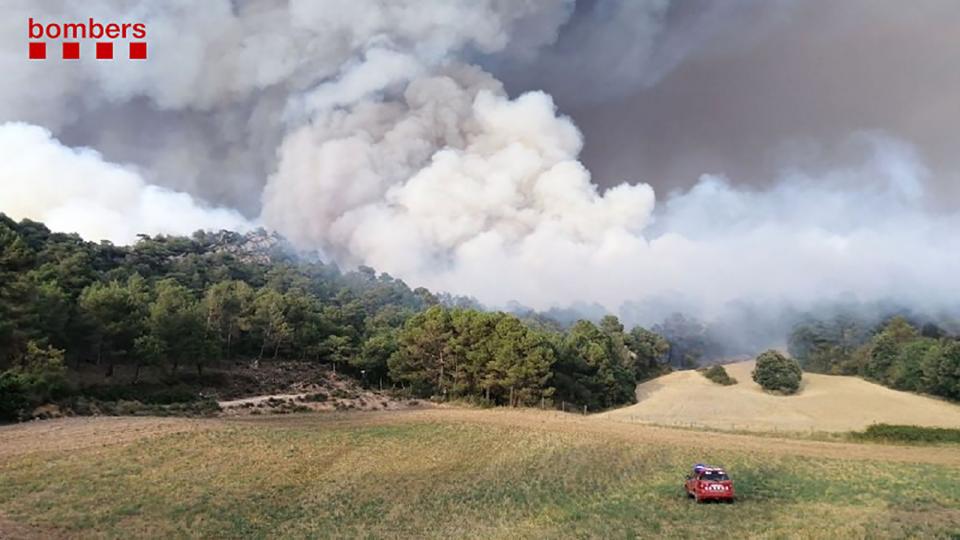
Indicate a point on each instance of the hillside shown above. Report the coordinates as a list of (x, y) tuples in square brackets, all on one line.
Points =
[(824, 403), (441, 473), (187, 307)]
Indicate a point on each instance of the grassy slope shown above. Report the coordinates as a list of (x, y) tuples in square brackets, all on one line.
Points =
[(824, 403), (465, 473)]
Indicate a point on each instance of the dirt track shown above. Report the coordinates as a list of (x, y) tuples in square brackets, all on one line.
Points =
[(824, 403)]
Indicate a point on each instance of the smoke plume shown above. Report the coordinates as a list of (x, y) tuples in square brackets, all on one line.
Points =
[(74, 189), (423, 138)]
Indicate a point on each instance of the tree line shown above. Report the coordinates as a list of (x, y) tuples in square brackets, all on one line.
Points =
[(896, 352), (497, 359), (175, 303)]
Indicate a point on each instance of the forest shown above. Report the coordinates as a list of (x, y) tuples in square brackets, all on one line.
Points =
[(913, 355), (188, 306)]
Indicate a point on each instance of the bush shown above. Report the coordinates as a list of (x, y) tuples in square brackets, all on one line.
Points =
[(38, 379), (85, 406), (13, 396), (777, 373), (915, 434), (719, 375), (147, 393)]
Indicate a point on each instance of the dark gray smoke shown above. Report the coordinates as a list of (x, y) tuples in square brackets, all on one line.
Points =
[(799, 151), (746, 89)]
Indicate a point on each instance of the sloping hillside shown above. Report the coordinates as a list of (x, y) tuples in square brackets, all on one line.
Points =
[(824, 403)]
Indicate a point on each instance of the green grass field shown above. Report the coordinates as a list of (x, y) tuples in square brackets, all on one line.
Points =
[(446, 475)]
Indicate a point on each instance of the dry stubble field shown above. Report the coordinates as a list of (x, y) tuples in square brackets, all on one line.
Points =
[(454, 473), (825, 403)]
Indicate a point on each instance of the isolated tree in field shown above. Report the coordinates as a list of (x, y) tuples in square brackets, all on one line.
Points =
[(719, 375), (777, 373)]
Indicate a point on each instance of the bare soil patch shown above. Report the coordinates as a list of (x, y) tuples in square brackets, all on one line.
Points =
[(323, 394)]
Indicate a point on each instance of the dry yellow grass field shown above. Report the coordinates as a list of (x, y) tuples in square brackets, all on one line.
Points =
[(448, 472), (824, 403)]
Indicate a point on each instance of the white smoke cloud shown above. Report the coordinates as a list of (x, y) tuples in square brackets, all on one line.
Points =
[(225, 80), (364, 129), (502, 210), (76, 190), (863, 231), (456, 186)]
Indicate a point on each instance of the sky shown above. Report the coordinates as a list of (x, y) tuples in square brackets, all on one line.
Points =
[(642, 155), (777, 85)]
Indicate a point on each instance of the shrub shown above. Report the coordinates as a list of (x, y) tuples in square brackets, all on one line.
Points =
[(90, 406), (38, 379), (13, 396), (900, 433), (776, 373), (719, 375), (149, 393)]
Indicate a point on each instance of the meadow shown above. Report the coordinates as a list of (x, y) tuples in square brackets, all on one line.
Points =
[(455, 473)]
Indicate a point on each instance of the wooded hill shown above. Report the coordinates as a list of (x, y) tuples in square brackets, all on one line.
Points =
[(184, 305)]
